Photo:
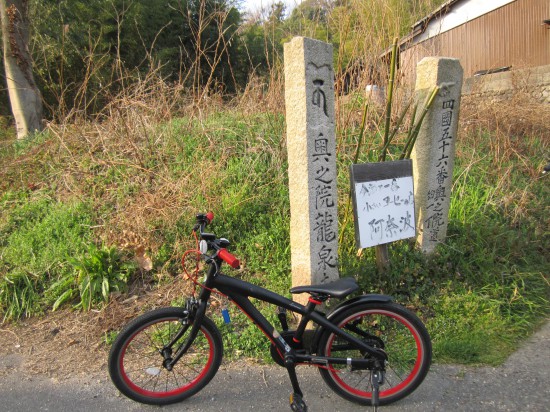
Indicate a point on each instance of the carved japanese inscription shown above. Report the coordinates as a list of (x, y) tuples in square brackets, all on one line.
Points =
[(433, 155), (311, 143)]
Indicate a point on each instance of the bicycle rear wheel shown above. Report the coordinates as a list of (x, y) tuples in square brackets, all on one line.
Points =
[(136, 361), (383, 325)]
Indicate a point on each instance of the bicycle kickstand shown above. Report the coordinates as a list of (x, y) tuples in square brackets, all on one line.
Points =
[(297, 403), (377, 379)]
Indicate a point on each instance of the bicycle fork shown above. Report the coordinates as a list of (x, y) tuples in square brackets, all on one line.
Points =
[(195, 314)]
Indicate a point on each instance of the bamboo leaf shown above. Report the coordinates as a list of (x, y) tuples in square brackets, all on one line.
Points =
[(105, 288), (399, 122), (409, 133)]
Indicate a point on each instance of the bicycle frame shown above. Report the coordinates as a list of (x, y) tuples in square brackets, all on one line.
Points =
[(240, 293), (348, 344)]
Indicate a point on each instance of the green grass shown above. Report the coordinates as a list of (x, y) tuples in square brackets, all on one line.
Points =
[(37, 237), (480, 294), (484, 325), (49, 258)]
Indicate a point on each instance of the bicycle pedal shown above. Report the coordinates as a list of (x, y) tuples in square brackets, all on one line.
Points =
[(297, 404)]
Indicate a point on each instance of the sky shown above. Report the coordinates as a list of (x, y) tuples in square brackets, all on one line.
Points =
[(254, 5)]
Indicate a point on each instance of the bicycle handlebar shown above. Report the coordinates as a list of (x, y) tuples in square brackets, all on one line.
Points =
[(228, 258), (203, 220), (213, 242), (209, 217)]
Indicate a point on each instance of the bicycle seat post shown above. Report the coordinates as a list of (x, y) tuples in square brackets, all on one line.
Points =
[(313, 301)]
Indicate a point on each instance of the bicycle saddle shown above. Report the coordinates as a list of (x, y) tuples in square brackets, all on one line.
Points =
[(338, 289)]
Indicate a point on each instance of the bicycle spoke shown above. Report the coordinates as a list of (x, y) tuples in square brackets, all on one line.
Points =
[(386, 326), (175, 378)]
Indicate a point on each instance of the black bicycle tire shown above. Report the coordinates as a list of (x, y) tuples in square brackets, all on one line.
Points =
[(421, 364), (127, 387)]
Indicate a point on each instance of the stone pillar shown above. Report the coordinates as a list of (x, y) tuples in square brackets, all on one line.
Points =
[(311, 144), (433, 154)]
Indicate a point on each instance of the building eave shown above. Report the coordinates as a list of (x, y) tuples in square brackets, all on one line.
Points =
[(420, 26)]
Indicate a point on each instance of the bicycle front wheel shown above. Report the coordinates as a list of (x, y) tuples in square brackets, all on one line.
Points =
[(387, 326), (137, 357)]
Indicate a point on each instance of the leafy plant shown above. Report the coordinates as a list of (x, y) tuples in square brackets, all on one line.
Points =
[(383, 261), (19, 295), (109, 337), (98, 273)]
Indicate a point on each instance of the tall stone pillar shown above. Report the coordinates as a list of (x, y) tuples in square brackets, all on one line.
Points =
[(433, 154), (311, 143)]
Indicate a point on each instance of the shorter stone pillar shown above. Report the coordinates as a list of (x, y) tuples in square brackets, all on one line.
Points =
[(433, 154)]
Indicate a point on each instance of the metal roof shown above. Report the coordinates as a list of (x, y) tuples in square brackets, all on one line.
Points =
[(421, 25)]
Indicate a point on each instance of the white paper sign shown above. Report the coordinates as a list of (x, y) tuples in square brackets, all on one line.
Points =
[(384, 208)]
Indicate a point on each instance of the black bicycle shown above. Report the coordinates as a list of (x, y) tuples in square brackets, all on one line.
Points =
[(368, 349)]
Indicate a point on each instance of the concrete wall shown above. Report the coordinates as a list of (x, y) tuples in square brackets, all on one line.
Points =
[(534, 82)]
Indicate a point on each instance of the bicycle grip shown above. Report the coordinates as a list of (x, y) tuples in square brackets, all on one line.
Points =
[(209, 217), (229, 259)]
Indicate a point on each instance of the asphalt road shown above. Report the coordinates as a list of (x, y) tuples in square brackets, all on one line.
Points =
[(521, 384)]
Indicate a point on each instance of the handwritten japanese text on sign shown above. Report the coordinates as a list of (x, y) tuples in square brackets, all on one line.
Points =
[(383, 202)]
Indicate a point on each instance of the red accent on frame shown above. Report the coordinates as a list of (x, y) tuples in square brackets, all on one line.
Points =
[(317, 302), (263, 331), (229, 259)]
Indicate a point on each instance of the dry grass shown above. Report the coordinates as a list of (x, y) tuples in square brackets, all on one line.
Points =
[(263, 95), (518, 130), (513, 136)]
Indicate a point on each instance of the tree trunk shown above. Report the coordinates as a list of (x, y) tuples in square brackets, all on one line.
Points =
[(25, 98)]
